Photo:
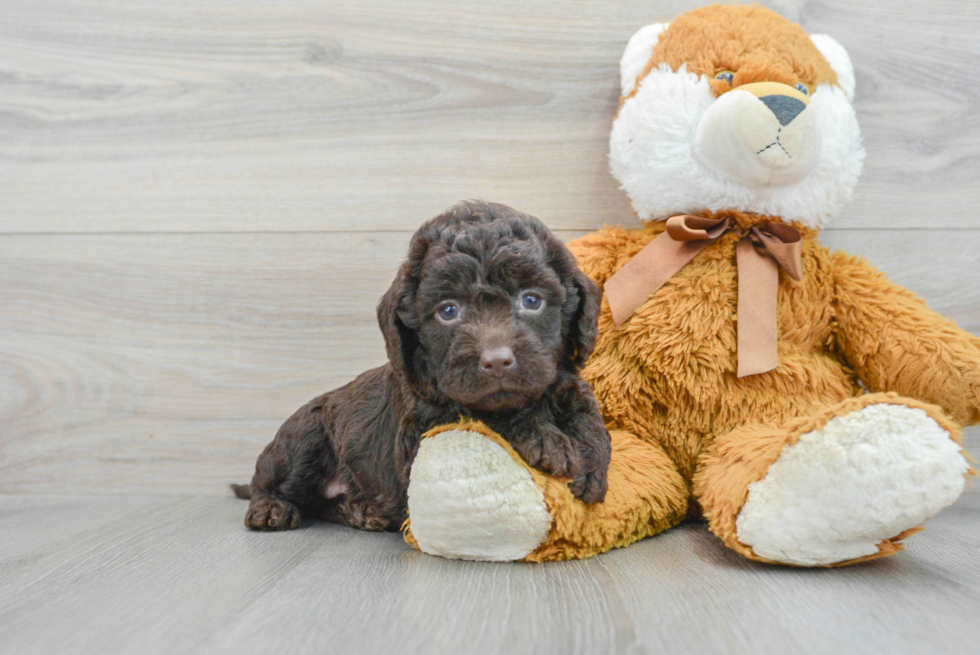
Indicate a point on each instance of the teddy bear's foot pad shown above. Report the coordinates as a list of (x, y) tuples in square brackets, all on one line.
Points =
[(469, 499), (840, 491)]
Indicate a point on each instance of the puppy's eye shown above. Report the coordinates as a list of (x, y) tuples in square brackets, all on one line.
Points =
[(728, 76), (448, 313), (532, 302), (802, 88)]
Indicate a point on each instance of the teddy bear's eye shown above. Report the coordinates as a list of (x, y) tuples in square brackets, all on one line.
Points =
[(802, 88), (728, 76)]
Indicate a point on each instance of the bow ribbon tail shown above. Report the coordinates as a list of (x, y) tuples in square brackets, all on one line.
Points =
[(647, 271), (760, 253), (758, 288)]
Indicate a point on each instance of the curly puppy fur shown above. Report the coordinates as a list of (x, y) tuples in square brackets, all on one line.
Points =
[(489, 318)]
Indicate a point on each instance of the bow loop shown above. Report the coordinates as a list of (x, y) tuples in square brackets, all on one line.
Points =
[(784, 243), (694, 228), (762, 249)]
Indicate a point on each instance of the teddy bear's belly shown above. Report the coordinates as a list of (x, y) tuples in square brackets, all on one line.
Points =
[(668, 374)]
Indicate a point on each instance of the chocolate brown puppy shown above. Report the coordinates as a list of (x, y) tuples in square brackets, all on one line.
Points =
[(489, 318)]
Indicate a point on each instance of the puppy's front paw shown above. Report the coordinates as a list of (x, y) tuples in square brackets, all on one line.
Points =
[(550, 450), (268, 513), (591, 487)]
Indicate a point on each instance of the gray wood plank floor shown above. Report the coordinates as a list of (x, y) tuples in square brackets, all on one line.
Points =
[(343, 114), (200, 204), (170, 376), (111, 574)]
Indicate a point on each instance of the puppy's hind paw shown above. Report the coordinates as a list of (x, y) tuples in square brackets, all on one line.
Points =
[(268, 513)]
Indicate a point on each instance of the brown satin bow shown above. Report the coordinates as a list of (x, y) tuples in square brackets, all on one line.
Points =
[(763, 248)]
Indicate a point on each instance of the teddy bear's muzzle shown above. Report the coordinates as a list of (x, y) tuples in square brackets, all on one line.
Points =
[(761, 134)]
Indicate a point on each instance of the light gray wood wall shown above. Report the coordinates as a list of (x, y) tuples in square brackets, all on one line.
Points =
[(201, 202)]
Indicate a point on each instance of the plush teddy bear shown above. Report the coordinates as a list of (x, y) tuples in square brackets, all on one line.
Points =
[(803, 404)]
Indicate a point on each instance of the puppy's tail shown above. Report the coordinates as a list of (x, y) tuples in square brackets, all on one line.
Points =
[(243, 491)]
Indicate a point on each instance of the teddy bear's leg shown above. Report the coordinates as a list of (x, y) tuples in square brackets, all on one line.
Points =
[(647, 495), (843, 485), (471, 496)]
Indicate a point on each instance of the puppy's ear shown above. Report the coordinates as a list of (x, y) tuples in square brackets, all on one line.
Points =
[(580, 313), (396, 317), (583, 325)]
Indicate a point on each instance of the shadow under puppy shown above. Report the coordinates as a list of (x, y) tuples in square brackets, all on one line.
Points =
[(490, 318)]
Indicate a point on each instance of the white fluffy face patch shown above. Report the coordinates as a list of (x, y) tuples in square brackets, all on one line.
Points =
[(742, 138), (675, 148), (838, 492)]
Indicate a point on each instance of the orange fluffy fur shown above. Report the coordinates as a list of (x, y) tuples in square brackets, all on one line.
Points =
[(757, 44), (643, 499), (668, 375), (666, 378)]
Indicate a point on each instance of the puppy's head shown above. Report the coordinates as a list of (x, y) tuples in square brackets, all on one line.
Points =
[(487, 308)]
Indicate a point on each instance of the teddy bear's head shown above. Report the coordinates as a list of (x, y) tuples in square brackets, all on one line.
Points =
[(736, 108)]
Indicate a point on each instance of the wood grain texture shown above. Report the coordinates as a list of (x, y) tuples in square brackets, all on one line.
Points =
[(107, 575), (159, 317), (238, 115), (200, 204), (163, 363)]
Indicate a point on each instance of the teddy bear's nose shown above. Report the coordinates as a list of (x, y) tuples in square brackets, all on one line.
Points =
[(783, 107)]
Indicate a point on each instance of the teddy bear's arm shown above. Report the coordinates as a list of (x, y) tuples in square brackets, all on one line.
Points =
[(896, 343)]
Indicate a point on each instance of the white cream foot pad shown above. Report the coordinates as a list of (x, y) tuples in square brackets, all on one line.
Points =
[(469, 499), (839, 491)]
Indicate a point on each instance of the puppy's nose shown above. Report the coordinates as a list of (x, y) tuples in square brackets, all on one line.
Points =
[(497, 361)]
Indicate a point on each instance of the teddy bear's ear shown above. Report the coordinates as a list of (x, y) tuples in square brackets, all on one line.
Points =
[(839, 60), (637, 54)]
